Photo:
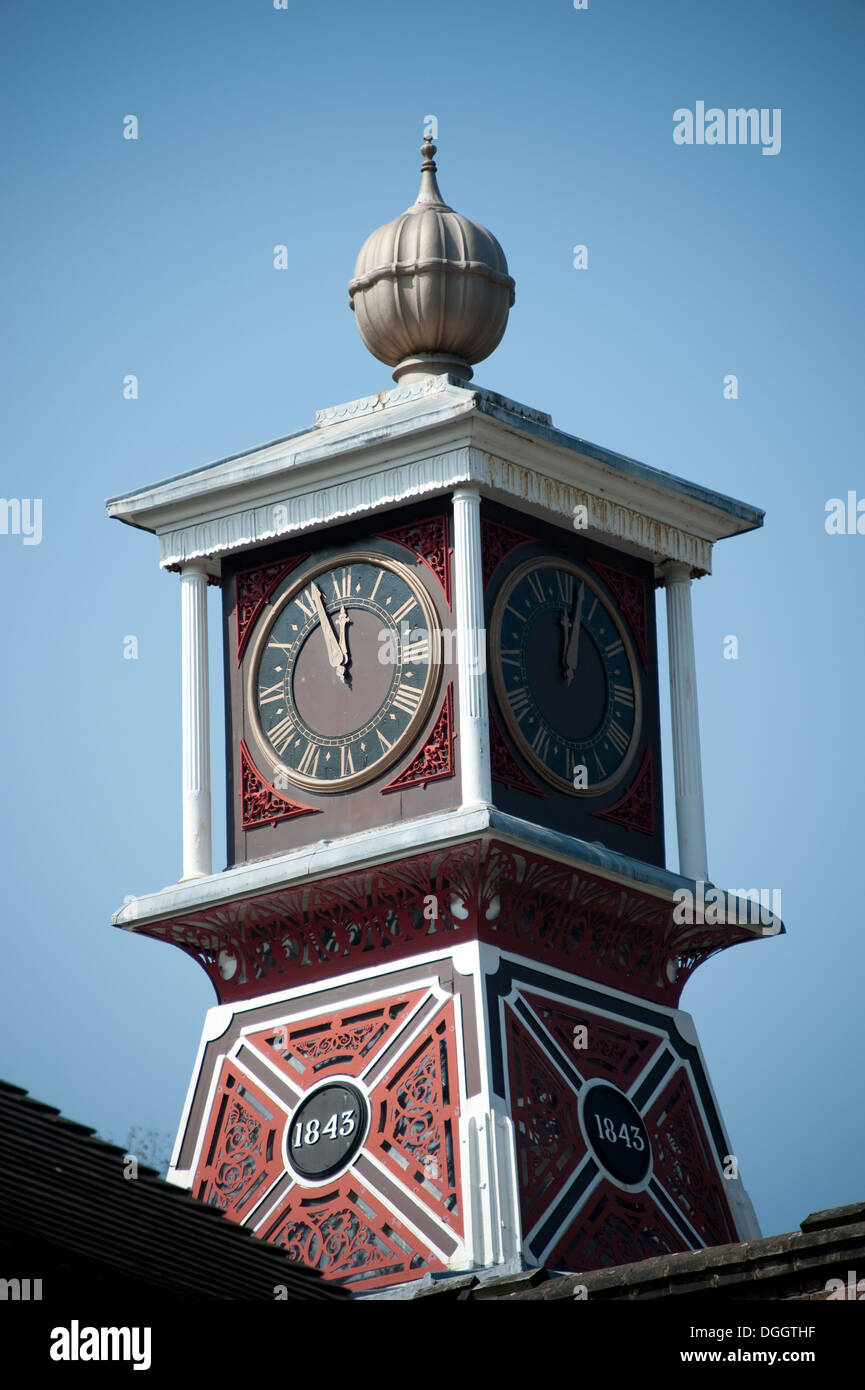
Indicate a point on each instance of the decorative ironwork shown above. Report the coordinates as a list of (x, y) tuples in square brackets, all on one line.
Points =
[(436, 758), (261, 803), (549, 1142), (630, 593), (610, 1049), (429, 540), (684, 1164), (243, 1146), (570, 918), (347, 1234), (636, 809), (504, 767), (415, 1117), (614, 1228), (315, 930), (253, 589), (348, 1041), (497, 542)]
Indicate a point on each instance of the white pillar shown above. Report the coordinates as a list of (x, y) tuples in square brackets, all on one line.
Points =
[(474, 742), (195, 720), (687, 768)]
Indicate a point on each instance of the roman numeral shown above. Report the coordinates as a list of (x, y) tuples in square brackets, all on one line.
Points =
[(346, 764), (623, 696), (273, 692), (519, 702), (511, 656), (514, 614), (602, 771), (591, 612), (342, 588), (537, 587), (307, 607), (383, 741), (407, 698), (565, 585), (617, 736), (308, 764), (376, 584), (283, 646), (613, 649), (404, 608), (541, 743), (281, 734), (416, 652)]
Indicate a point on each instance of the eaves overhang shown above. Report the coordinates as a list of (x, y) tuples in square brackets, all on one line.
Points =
[(417, 442), (305, 915)]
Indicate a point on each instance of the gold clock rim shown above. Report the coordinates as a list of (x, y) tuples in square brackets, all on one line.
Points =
[(433, 681), (525, 749)]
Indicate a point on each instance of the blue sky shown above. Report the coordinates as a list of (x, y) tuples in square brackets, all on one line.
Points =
[(155, 257)]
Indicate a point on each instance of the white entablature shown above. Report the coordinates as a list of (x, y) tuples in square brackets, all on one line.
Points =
[(419, 441)]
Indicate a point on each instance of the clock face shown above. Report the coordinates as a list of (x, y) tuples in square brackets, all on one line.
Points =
[(566, 677), (344, 672)]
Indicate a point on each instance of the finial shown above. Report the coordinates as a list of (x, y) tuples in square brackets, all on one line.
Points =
[(429, 189)]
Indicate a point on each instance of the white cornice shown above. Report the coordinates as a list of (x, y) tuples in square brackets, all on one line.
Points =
[(415, 442)]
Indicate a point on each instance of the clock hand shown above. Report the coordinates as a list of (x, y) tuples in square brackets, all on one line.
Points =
[(334, 649), (342, 622), (570, 663), (566, 630)]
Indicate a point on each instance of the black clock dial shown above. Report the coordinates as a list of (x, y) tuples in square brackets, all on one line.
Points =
[(565, 676), (345, 672)]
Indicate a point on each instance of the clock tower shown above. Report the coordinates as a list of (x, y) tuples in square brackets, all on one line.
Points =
[(446, 948)]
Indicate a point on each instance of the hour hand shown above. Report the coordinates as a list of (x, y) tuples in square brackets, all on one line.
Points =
[(335, 651), (569, 661)]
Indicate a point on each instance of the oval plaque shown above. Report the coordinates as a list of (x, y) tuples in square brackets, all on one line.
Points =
[(616, 1134), (326, 1130)]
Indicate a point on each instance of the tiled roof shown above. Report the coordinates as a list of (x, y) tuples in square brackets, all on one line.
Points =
[(797, 1265), (69, 1217)]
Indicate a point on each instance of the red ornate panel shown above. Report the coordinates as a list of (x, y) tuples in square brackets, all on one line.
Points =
[(242, 1154), (630, 593), (636, 809), (347, 1233), (614, 1228), (549, 1142), (429, 541), (615, 1049), (414, 1125), (504, 767), (436, 758), (261, 803), (684, 1164), (396, 1210), (254, 588), (347, 1041), (497, 542), (595, 1220)]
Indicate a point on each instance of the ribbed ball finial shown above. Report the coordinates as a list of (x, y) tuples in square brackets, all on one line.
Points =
[(431, 290)]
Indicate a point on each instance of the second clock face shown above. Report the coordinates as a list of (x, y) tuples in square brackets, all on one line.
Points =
[(344, 672), (566, 677)]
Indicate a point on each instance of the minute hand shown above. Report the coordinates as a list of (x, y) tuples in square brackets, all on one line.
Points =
[(570, 662), (334, 651)]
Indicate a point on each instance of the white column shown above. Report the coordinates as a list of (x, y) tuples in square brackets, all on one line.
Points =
[(196, 720), (474, 741), (687, 768)]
